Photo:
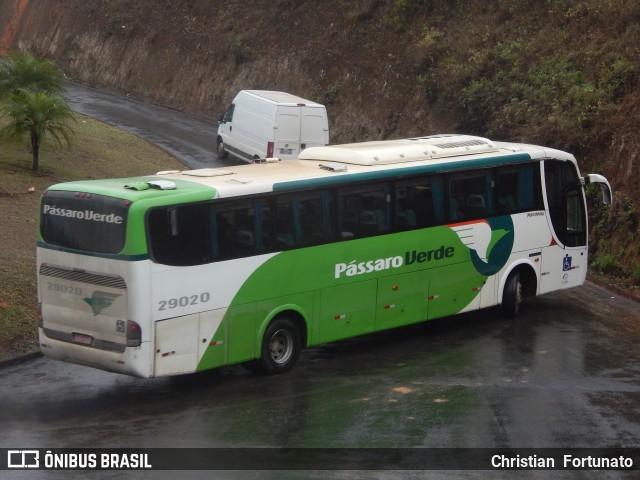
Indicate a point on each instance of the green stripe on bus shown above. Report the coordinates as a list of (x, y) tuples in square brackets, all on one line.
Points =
[(387, 174), (426, 274), (116, 188)]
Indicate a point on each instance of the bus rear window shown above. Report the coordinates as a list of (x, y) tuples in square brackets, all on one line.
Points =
[(82, 221)]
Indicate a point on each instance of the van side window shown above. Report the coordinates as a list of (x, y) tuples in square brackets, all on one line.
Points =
[(228, 116), (364, 211)]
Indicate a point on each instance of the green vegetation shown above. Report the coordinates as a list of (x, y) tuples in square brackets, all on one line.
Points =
[(23, 71), (98, 151), (32, 103), (35, 116), (508, 75), (562, 73)]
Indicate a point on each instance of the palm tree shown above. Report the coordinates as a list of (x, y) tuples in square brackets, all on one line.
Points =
[(36, 115), (31, 99), (23, 70)]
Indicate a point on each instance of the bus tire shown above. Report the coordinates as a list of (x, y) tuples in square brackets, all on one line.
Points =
[(222, 152), (280, 346), (512, 295)]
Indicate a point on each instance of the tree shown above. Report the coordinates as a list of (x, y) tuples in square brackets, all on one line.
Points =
[(24, 71), (31, 99), (34, 115)]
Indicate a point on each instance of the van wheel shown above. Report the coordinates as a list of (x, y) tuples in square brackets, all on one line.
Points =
[(512, 295), (280, 346), (222, 153)]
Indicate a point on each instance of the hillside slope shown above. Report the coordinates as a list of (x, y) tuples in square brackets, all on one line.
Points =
[(557, 72)]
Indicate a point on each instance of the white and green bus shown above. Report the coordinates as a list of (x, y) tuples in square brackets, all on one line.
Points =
[(181, 272)]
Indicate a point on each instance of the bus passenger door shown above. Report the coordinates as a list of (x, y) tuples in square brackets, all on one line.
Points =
[(564, 261), (562, 268), (402, 299)]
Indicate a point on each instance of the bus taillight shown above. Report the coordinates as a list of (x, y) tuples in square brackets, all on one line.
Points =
[(134, 334), (270, 149)]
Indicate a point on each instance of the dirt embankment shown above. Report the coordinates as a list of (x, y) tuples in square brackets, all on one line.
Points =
[(559, 73)]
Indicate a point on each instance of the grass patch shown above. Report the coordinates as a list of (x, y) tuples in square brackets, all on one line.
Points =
[(98, 151)]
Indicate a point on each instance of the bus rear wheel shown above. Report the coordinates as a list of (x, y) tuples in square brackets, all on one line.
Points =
[(512, 295), (280, 346)]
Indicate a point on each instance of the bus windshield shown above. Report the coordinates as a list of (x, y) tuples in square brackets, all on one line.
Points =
[(83, 221)]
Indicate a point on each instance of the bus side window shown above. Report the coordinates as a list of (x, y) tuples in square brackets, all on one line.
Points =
[(241, 229), (179, 235), (471, 195), (364, 211), (285, 225), (263, 227), (303, 220), (419, 203), (518, 189)]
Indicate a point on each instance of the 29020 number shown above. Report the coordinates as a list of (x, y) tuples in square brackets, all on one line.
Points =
[(185, 301), (62, 288)]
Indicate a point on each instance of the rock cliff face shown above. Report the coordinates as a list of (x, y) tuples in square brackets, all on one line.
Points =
[(563, 73), (194, 55)]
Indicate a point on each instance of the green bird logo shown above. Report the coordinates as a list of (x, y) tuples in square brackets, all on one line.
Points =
[(100, 300), (489, 241)]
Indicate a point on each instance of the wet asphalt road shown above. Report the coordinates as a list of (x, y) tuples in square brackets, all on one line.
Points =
[(565, 374), (191, 139)]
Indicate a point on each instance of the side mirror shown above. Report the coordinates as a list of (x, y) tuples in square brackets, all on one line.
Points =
[(221, 118), (603, 183)]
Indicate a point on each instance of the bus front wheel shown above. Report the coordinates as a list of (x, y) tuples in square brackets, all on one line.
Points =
[(512, 295), (280, 346)]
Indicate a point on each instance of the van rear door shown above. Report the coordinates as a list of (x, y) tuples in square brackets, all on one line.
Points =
[(287, 132), (314, 129), (299, 127)]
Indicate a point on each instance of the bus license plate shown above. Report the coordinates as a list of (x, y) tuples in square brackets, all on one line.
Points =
[(286, 151), (82, 339)]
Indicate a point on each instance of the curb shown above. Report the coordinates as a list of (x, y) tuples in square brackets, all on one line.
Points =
[(602, 283), (9, 362)]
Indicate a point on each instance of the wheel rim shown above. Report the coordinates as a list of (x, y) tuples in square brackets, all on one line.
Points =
[(281, 346), (221, 148)]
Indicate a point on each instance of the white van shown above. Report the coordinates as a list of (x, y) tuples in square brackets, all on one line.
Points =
[(264, 124)]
